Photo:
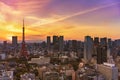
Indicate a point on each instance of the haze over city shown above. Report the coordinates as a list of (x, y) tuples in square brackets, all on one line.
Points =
[(72, 18)]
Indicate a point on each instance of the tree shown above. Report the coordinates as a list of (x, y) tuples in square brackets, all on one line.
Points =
[(75, 65), (36, 72)]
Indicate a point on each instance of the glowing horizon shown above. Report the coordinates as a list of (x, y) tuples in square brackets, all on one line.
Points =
[(74, 19)]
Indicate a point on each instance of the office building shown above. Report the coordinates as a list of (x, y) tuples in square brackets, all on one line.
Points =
[(48, 43), (101, 54), (55, 43), (96, 41), (74, 45), (4, 45), (58, 44), (109, 43), (14, 41), (61, 44), (96, 44), (103, 41), (109, 46), (88, 48), (102, 51), (55, 39)]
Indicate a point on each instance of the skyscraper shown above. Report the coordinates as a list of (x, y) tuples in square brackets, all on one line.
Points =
[(109, 43), (74, 46), (14, 41), (103, 41), (102, 51), (96, 44), (4, 45), (48, 43), (88, 48), (55, 43), (96, 41), (55, 39), (109, 48), (99, 55), (61, 44)]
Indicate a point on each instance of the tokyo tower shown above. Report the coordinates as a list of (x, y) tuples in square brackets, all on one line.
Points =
[(24, 52)]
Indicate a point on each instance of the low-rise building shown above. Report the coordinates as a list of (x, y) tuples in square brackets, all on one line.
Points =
[(41, 60), (110, 71)]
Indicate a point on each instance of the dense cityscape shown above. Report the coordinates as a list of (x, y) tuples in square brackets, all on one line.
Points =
[(58, 59), (59, 40)]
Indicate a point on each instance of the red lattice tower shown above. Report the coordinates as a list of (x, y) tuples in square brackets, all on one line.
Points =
[(24, 52)]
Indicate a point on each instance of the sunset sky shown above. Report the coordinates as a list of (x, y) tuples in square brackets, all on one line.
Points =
[(72, 18)]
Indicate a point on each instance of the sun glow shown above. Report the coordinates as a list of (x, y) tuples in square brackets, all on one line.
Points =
[(81, 20), (9, 37)]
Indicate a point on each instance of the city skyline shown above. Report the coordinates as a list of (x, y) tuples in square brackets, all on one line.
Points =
[(74, 19)]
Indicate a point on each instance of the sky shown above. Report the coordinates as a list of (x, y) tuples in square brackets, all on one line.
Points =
[(72, 18)]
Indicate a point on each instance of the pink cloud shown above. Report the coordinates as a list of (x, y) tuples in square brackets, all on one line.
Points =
[(30, 6)]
